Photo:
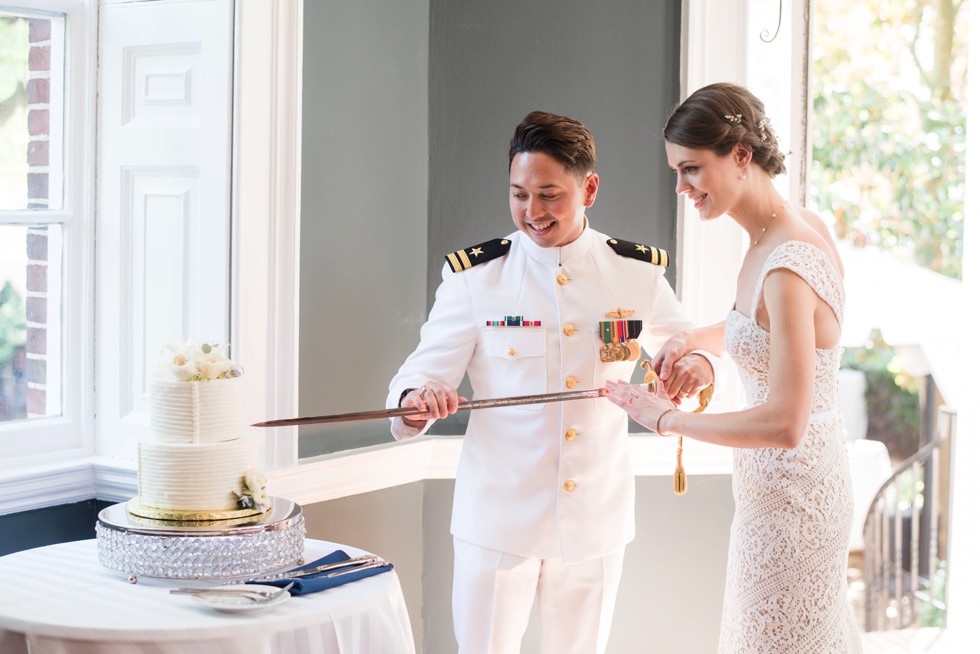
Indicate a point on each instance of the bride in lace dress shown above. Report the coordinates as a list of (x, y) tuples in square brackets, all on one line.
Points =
[(786, 582)]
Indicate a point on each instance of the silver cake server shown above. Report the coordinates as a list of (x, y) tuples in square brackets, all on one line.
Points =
[(294, 574)]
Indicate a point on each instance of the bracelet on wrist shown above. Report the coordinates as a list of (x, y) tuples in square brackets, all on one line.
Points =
[(661, 418)]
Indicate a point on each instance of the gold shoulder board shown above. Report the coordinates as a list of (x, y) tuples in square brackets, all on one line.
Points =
[(650, 254), (461, 260)]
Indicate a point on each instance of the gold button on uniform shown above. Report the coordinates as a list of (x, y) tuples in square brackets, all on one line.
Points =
[(569, 329), (570, 383), (569, 485), (562, 279), (511, 352), (570, 435)]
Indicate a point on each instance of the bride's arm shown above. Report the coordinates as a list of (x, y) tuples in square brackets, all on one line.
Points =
[(782, 420)]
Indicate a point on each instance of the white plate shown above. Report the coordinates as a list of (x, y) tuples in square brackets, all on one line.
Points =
[(232, 603)]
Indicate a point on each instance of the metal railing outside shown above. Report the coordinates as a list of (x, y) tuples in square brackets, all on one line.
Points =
[(906, 536)]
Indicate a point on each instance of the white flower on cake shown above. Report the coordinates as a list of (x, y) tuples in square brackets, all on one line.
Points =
[(253, 494), (196, 362)]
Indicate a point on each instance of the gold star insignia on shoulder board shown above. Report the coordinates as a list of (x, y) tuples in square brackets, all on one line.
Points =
[(656, 256), (466, 258)]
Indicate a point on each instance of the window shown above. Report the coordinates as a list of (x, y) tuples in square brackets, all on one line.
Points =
[(31, 119), (44, 236), (44, 458), (889, 126)]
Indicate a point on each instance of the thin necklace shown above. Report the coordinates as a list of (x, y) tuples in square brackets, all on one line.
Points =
[(772, 219)]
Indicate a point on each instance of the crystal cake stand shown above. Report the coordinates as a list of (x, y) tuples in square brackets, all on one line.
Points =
[(199, 550)]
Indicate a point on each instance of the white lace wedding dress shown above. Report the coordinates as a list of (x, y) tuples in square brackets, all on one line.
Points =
[(786, 583)]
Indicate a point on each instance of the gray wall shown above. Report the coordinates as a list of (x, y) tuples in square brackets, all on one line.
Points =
[(363, 207), (408, 108), (613, 65), (673, 578)]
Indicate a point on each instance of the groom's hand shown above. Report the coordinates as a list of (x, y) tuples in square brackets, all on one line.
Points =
[(673, 349), (688, 375)]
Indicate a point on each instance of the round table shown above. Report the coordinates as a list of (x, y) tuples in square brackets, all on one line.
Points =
[(60, 600)]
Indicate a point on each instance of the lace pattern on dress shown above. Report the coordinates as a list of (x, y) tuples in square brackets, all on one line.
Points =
[(809, 262), (786, 579)]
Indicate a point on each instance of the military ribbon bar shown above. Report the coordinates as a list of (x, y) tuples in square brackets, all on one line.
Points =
[(513, 321)]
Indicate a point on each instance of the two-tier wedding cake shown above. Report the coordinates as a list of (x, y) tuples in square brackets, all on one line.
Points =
[(201, 510), (196, 465)]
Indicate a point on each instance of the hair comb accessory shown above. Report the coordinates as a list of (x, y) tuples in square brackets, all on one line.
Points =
[(765, 127), (734, 120)]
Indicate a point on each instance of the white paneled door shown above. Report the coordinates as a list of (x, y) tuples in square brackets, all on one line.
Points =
[(164, 189)]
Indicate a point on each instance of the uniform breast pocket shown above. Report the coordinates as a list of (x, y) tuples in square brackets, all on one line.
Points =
[(516, 362)]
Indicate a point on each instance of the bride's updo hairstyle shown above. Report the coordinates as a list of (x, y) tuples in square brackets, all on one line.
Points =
[(719, 117)]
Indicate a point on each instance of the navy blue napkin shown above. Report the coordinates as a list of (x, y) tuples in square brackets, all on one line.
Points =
[(316, 583)]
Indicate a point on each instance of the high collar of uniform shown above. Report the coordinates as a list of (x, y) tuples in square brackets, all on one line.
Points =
[(560, 255)]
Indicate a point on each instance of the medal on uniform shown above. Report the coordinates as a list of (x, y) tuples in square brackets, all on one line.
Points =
[(609, 351), (634, 350), (619, 337)]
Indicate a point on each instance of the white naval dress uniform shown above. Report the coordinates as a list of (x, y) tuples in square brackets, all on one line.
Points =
[(548, 481)]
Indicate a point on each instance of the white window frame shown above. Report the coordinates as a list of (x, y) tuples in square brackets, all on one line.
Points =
[(264, 274), (267, 148), (711, 252), (265, 255), (37, 441)]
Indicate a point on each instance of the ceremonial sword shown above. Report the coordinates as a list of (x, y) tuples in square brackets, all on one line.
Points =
[(463, 406)]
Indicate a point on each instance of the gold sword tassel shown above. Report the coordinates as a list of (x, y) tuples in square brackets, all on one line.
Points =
[(680, 477), (704, 397)]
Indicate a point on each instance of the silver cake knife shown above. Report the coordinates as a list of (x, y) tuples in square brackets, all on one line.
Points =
[(293, 574)]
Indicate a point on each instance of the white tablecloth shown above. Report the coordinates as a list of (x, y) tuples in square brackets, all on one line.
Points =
[(60, 600)]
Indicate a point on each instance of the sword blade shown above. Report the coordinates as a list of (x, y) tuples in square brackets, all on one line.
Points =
[(463, 406)]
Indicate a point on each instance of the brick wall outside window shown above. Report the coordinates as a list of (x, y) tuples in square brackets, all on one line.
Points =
[(38, 125)]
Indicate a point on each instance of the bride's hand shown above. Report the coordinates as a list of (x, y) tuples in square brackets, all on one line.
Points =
[(644, 407)]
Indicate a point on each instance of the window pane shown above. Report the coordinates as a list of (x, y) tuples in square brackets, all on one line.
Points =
[(31, 111), (889, 126), (30, 321)]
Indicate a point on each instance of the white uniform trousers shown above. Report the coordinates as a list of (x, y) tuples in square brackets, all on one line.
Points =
[(493, 593)]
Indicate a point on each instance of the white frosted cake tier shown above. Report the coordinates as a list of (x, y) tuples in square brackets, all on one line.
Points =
[(196, 412), (193, 477)]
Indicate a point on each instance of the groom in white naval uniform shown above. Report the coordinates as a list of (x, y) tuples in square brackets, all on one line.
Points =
[(543, 503)]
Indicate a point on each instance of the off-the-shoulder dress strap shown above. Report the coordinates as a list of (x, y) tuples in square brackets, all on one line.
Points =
[(813, 266)]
